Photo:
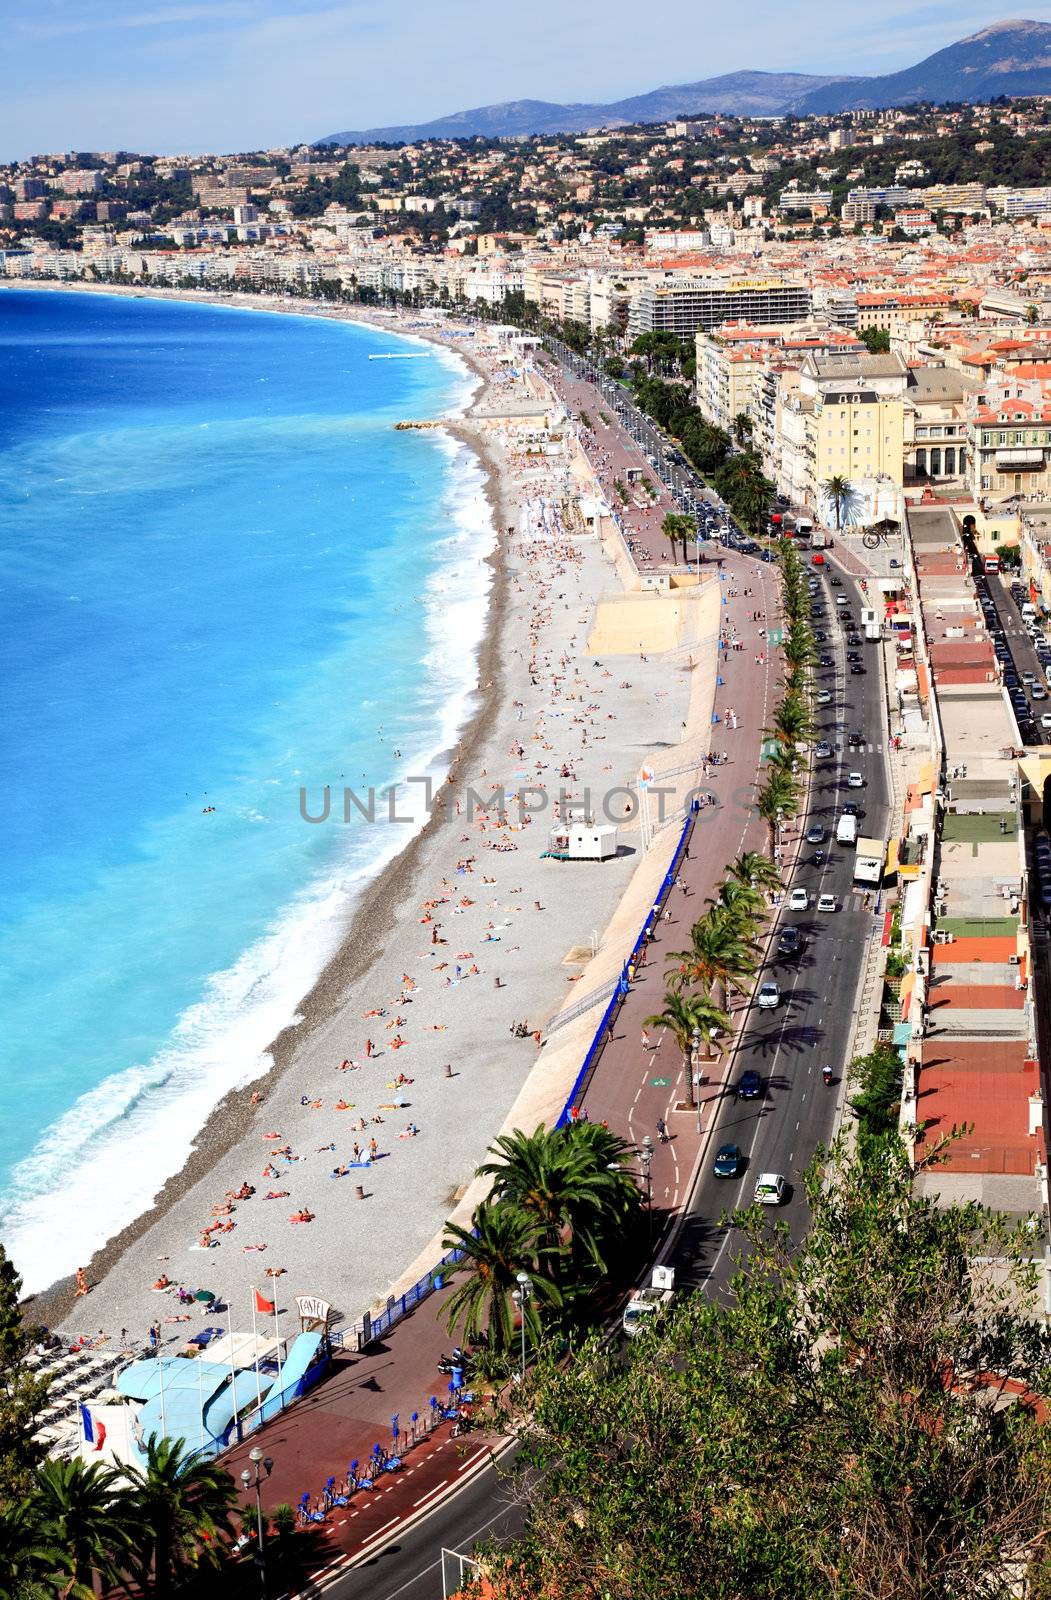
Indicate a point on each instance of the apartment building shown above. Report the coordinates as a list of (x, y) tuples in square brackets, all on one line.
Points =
[(889, 309), (1009, 433), (846, 419), (935, 436), (682, 305)]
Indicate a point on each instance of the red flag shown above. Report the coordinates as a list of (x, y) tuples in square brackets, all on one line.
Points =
[(266, 1307), (100, 1428)]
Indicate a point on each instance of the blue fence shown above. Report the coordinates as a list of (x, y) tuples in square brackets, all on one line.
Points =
[(584, 1076)]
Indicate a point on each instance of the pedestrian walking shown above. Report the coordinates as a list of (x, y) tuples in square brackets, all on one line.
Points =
[(662, 1130)]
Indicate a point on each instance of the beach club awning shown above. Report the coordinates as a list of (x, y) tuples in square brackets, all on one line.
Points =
[(244, 1350)]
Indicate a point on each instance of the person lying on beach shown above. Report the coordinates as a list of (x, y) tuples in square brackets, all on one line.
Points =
[(340, 1171), (344, 1105), (247, 1247), (276, 1194), (323, 1147), (163, 1282), (409, 1132), (302, 1216), (275, 1272)]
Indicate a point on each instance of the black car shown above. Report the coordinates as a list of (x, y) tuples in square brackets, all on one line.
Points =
[(789, 943), (834, 581), (858, 670), (825, 661), (855, 737), (850, 808), (853, 638), (749, 1086), (727, 1162), (852, 655), (819, 637)]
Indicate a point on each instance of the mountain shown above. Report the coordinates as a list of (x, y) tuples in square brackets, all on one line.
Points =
[(754, 93), (1010, 58)]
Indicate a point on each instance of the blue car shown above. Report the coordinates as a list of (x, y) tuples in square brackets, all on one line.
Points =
[(727, 1162)]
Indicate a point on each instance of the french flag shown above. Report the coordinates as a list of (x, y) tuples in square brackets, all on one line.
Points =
[(94, 1432)]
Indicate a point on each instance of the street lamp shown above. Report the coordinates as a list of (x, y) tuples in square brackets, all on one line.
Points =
[(695, 1044), (646, 1157), (520, 1296), (259, 1461)]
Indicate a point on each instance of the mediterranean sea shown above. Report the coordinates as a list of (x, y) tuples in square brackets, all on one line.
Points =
[(225, 575)]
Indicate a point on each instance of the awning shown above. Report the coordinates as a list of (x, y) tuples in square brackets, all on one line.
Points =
[(892, 858), (1019, 458)]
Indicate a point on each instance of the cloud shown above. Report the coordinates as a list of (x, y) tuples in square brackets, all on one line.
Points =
[(172, 16)]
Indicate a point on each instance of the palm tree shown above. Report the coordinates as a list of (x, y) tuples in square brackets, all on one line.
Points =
[(79, 1508), (742, 427), (32, 1565), (501, 1243), (793, 723), (181, 1504), (556, 1181), (684, 1014), (718, 956), (839, 492), (755, 870), (745, 906), (777, 798), (687, 530), (671, 530)]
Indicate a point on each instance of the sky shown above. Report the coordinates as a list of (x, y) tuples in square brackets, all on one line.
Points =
[(183, 76)]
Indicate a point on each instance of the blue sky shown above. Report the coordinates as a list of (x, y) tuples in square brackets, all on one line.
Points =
[(190, 76)]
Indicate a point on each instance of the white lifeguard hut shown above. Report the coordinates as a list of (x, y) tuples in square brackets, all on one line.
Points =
[(581, 838)]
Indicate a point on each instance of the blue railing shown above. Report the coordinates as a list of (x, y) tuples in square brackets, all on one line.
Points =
[(584, 1076)]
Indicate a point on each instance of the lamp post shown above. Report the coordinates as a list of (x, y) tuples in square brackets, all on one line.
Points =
[(646, 1157), (695, 1043), (520, 1296), (259, 1461)]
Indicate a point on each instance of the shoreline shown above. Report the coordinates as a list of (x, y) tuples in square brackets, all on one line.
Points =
[(377, 920), (371, 916)]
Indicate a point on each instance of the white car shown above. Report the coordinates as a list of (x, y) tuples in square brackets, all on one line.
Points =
[(799, 900), (822, 750), (770, 1189), (769, 996), (1028, 677), (824, 697), (827, 902), (1045, 720), (841, 600), (855, 780)]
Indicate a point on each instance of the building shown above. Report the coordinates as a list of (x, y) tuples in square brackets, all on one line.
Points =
[(915, 221), (805, 200), (680, 305), (854, 211), (935, 441), (846, 419), (892, 196), (1009, 434)]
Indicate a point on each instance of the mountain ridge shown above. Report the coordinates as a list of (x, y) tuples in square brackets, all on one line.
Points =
[(1010, 57)]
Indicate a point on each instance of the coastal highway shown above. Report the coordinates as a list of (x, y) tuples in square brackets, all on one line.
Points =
[(410, 1565), (781, 1130)]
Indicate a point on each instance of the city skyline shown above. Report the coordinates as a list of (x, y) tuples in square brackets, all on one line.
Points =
[(190, 78)]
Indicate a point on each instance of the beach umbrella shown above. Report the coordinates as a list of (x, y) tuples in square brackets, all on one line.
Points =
[(206, 1295)]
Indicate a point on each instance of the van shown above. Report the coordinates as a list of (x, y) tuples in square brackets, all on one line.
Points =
[(847, 830)]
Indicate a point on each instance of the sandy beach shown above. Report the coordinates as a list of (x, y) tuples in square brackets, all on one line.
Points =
[(405, 1065)]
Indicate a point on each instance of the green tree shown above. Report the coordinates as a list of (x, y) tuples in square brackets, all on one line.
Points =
[(718, 958), (742, 427), (683, 1014), (778, 798), (22, 1395), (180, 1506), (876, 340), (840, 494), (502, 1242), (878, 1076), (671, 530), (755, 870), (32, 1565), (81, 1512), (567, 1193), (831, 1428)]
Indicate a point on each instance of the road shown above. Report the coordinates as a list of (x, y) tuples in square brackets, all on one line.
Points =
[(1023, 655), (813, 1024), (796, 1112)]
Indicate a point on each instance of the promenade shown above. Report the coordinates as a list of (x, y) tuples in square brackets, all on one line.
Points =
[(630, 1087)]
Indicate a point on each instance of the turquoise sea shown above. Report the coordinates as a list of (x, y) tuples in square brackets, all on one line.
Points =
[(224, 576)]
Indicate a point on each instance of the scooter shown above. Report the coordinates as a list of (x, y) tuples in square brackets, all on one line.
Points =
[(826, 1073)]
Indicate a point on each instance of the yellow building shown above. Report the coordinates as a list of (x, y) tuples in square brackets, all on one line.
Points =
[(848, 421)]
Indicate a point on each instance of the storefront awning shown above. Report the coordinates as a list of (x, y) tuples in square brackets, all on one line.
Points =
[(1019, 458), (892, 858)]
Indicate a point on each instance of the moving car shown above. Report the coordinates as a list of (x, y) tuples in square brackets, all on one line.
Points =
[(727, 1163), (827, 902), (841, 600), (825, 661), (855, 780), (799, 900), (822, 750), (815, 834), (857, 669), (789, 942), (824, 697), (855, 737), (770, 1189), (769, 996), (750, 1086)]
